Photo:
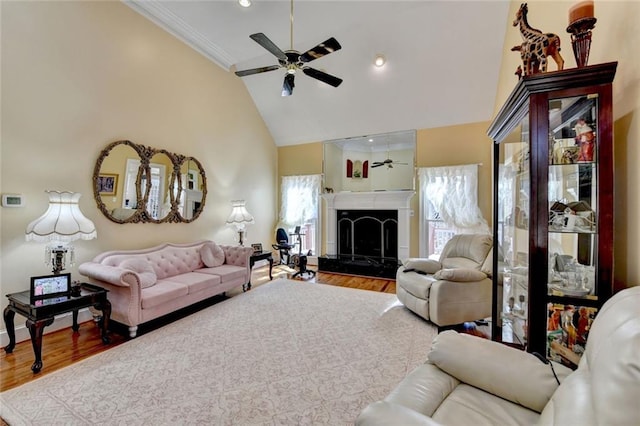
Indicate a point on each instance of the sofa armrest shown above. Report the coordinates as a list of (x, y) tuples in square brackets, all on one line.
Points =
[(109, 274), (237, 255), (461, 275), (506, 372), (388, 413)]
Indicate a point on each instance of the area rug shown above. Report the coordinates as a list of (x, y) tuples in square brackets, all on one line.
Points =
[(284, 353)]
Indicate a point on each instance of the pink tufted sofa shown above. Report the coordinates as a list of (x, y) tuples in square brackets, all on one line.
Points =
[(148, 283)]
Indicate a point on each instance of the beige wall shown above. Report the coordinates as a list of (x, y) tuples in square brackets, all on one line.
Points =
[(79, 75), (615, 38)]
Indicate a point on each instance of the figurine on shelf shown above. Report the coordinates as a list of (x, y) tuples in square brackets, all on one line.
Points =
[(536, 45), (585, 138)]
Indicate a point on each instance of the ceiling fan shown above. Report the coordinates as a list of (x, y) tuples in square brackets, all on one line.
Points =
[(292, 60), (388, 162)]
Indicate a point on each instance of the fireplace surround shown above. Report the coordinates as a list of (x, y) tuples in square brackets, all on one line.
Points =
[(383, 219)]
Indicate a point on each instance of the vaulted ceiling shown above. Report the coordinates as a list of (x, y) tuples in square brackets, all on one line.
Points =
[(443, 60)]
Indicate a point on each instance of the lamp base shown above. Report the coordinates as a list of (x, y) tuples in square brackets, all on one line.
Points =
[(56, 256), (241, 237)]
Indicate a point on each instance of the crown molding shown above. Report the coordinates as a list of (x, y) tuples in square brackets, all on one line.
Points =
[(168, 21)]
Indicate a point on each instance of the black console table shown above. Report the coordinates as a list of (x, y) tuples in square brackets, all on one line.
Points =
[(41, 312)]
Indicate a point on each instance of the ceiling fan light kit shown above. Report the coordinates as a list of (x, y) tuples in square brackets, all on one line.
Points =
[(244, 3), (292, 60)]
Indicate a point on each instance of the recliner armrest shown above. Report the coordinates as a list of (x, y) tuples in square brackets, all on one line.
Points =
[(506, 372)]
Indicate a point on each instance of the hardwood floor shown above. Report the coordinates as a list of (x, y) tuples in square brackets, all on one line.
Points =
[(64, 347)]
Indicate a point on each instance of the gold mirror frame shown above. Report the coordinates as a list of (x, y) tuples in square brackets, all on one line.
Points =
[(171, 197)]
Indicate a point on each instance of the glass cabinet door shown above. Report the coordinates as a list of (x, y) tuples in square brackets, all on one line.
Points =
[(573, 224), (513, 206)]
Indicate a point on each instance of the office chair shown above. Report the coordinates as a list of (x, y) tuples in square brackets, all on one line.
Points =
[(283, 246)]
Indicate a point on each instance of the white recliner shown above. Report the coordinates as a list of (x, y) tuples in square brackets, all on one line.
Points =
[(468, 380), (453, 290)]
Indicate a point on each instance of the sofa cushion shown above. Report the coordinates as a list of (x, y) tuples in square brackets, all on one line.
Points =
[(212, 254), (140, 266), (163, 292), (225, 272), (460, 275), (195, 282), (460, 262)]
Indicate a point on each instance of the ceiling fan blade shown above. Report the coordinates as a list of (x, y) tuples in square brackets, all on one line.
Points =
[(324, 48), (288, 85), (322, 76), (374, 165), (257, 70), (265, 42)]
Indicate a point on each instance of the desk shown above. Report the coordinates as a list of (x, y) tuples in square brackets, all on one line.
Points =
[(41, 313), (265, 255)]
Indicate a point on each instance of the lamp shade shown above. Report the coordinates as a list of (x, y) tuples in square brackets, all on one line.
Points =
[(239, 216), (63, 221)]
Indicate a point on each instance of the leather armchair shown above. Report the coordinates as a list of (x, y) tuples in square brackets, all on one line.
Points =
[(455, 289), (468, 380)]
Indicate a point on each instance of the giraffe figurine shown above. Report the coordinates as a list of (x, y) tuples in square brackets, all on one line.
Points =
[(536, 45)]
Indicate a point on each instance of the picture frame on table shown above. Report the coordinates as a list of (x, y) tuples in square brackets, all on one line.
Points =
[(50, 286), (107, 183), (257, 247)]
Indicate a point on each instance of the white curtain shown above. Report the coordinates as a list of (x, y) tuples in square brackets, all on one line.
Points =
[(453, 192), (299, 199)]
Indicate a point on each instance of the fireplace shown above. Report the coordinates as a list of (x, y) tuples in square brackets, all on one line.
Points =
[(367, 233)]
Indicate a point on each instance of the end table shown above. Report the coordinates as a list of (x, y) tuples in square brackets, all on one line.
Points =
[(41, 312), (265, 255)]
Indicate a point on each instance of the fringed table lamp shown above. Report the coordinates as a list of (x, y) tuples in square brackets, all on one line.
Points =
[(240, 218), (581, 22), (62, 223)]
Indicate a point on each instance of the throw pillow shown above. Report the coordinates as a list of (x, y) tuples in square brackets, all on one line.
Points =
[(212, 254), (145, 271), (428, 266), (460, 275)]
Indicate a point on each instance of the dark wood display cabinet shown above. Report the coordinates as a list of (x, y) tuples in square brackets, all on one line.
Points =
[(553, 210)]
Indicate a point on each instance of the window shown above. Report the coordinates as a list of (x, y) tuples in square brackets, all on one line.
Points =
[(300, 206), (448, 206)]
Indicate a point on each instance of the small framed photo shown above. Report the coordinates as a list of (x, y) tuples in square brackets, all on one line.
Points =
[(50, 286), (257, 247), (107, 183)]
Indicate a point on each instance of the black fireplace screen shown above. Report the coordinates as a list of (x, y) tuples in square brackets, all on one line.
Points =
[(368, 233)]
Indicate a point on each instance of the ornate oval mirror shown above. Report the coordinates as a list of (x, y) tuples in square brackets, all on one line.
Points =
[(114, 182), (191, 189), (136, 183)]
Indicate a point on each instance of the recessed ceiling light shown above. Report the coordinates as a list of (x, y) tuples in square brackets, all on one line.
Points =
[(379, 60), (370, 140), (244, 3)]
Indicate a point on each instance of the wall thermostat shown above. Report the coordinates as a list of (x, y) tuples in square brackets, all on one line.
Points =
[(12, 200)]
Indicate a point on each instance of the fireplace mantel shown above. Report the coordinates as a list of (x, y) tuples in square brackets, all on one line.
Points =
[(377, 200)]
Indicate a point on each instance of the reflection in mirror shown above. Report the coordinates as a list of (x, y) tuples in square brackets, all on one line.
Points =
[(192, 179), (384, 162), (134, 183), (158, 199), (117, 162)]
